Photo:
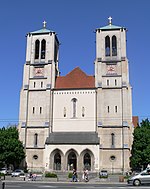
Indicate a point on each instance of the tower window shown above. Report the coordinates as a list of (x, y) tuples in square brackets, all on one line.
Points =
[(40, 110), (116, 109), (107, 46), (107, 82), (83, 111), (108, 109), (115, 82), (35, 139), (33, 110), (114, 46), (41, 84), (112, 139), (34, 84), (74, 101), (37, 45), (43, 48), (64, 111)]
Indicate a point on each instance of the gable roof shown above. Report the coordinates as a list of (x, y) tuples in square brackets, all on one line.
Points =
[(76, 79)]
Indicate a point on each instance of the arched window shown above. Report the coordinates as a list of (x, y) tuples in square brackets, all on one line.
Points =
[(35, 139), (64, 111), (112, 140), (87, 161), (74, 101), (114, 46), (57, 161), (107, 46), (43, 49), (37, 45), (83, 111)]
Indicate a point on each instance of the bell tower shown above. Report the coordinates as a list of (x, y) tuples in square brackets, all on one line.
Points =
[(114, 99), (40, 71)]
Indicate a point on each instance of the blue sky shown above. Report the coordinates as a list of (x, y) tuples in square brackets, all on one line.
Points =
[(75, 22)]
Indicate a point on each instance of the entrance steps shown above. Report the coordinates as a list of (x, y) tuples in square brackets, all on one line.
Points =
[(63, 176)]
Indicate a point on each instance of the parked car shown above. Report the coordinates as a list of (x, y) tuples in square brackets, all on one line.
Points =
[(141, 178), (103, 174), (4, 171), (17, 173)]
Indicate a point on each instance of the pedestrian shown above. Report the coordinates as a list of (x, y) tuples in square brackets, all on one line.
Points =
[(74, 176)]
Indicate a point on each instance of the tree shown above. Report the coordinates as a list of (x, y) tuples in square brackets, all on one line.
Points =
[(140, 154), (11, 148)]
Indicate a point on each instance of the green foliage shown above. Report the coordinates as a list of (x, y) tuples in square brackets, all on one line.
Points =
[(2, 174), (141, 146), (11, 149), (50, 175), (70, 175)]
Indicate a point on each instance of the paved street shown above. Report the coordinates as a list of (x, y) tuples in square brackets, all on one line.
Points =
[(36, 185)]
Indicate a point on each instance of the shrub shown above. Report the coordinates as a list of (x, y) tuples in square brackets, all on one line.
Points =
[(70, 175), (50, 175), (2, 174)]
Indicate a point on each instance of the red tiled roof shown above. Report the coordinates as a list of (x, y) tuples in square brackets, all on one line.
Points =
[(76, 79)]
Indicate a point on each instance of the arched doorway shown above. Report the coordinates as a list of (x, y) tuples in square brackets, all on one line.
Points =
[(72, 161), (87, 161), (57, 161)]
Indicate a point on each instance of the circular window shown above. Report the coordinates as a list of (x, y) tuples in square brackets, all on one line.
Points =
[(112, 158), (35, 157)]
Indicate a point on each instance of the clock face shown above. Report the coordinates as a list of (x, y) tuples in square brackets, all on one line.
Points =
[(111, 69), (39, 71)]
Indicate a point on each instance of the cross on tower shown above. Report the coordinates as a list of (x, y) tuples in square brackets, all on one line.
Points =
[(44, 24), (110, 20)]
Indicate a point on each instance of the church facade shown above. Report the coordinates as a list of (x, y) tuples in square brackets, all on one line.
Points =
[(76, 121)]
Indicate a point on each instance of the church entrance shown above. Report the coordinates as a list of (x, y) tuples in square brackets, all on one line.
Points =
[(87, 161), (57, 162), (72, 161)]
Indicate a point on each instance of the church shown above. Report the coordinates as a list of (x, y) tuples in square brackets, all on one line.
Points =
[(76, 121)]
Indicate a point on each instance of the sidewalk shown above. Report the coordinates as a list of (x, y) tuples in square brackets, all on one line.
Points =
[(111, 179)]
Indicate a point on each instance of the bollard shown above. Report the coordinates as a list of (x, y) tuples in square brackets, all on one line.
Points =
[(3, 185)]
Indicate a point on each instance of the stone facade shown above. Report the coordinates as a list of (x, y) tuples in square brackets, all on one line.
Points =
[(76, 121)]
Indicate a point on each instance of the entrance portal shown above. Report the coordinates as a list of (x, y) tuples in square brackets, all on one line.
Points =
[(57, 162), (72, 161), (87, 161)]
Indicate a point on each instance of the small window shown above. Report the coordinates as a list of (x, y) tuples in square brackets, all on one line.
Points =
[(108, 109), (35, 157), (116, 109), (115, 82), (33, 110), (112, 139), (41, 84), (112, 158), (35, 139), (40, 110), (74, 103), (34, 84), (107, 82), (83, 111), (64, 111)]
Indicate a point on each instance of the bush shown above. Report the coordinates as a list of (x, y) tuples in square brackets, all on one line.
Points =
[(50, 175), (2, 175), (70, 175)]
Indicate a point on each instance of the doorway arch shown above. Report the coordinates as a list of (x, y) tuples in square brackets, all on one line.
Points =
[(87, 161), (71, 159), (57, 161)]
